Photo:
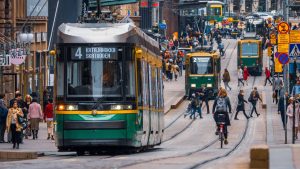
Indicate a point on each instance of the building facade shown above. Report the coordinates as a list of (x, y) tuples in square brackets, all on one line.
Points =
[(29, 17)]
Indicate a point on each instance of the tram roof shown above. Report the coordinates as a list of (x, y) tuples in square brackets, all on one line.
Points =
[(105, 33), (183, 2)]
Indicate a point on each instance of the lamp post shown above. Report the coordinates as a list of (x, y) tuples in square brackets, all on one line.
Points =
[(25, 38)]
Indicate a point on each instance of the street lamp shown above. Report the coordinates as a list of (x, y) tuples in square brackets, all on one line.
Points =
[(25, 38)]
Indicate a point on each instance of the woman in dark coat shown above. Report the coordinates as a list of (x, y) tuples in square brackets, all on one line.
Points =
[(241, 105)]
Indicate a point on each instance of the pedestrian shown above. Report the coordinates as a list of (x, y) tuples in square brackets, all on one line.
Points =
[(168, 70), (48, 118), (171, 71), (205, 97), (226, 79), (28, 100), (241, 105), (18, 97), (290, 114), (277, 86), (268, 75), (35, 114), (176, 70), (194, 105), (240, 76), (13, 125), (253, 98), (246, 75), (221, 49), (3, 116)]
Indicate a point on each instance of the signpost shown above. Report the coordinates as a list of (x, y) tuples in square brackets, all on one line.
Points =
[(294, 50), (295, 36)]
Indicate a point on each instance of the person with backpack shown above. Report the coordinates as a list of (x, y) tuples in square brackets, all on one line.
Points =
[(226, 79), (253, 98), (241, 105), (195, 106), (3, 116), (222, 105)]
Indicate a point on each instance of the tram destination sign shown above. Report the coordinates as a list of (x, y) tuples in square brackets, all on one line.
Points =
[(94, 53)]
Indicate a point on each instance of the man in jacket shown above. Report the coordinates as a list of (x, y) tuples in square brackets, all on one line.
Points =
[(254, 97), (268, 75), (3, 116), (276, 87), (204, 95)]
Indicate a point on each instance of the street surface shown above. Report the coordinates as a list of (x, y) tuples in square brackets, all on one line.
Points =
[(187, 143)]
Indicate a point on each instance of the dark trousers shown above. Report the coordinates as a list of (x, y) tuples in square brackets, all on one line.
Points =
[(2, 131), (207, 105), (237, 112), (16, 135), (283, 118), (276, 95), (253, 109), (240, 80), (268, 79)]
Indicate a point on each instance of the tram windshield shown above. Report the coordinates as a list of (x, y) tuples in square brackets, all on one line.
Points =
[(215, 11), (109, 78), (201, 65), (249, 49)]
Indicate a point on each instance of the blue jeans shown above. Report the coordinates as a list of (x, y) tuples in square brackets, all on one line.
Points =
[(198, 109)]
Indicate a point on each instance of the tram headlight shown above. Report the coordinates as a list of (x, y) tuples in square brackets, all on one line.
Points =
[(61, 107), (121, 107), (72, 107), (209, 85), (193, 85)]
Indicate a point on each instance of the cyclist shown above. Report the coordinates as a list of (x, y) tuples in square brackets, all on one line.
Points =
[(221, 106)]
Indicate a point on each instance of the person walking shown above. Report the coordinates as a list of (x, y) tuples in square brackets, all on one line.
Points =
[(176, 70), (28, 100), (253, 98), (12, 124), (276, 87), (205, 97), (35, 114), (226, 79), (3, 116), (241, 105), (48, 118), (268, 75), (246, 75), (290, 114), (240, 76)]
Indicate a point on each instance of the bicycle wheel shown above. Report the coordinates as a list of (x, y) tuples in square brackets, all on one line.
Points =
[(221, 135)]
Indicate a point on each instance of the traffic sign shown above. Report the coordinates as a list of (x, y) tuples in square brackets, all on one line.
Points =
[(269, 51), (162, 26), (295, 36), (283, 48), (273, 38), (273, 41), (278, 66), (294, 50), (277, 54), (283, 38), (283, 58), (283, 28)]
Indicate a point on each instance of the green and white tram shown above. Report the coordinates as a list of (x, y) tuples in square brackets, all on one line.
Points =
[(109, 88)]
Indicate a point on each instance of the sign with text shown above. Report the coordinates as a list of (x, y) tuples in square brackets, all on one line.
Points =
[(295, 36), (5, 60), (283, 48), (283, 38), (94, 53), (17, 56)]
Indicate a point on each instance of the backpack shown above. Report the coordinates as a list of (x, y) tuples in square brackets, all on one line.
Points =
[(221, 104), (170, 67)]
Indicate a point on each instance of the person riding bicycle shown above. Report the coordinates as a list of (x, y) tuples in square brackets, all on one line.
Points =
[(221, 106)]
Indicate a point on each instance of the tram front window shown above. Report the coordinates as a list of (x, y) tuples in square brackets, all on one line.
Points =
[(215, 11), (110, 79), (249, 49), (201, 65)]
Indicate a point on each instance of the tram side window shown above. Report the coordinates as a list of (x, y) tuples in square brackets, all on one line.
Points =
[(145, 83), (60, 78), (140, 82), (249, 49), (201, 65), (129, 74)]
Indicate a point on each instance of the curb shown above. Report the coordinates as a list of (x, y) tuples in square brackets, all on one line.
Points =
[(259, 156), (174, 106), (18, 155)]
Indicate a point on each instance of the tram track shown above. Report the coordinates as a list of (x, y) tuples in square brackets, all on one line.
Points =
[(206, 146)]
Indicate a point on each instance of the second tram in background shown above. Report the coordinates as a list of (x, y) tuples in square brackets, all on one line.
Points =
[(250, 53), (109, 88), (195, 13), (202, 69)]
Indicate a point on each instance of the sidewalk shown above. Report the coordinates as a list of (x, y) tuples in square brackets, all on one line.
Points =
[(173, 94), (282, 156)]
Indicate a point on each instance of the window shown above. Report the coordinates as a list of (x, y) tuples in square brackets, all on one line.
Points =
[(201, 65), (249, 49)]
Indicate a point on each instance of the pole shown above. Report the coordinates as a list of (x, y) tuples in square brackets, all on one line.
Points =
[(284, 102), (294, 114)]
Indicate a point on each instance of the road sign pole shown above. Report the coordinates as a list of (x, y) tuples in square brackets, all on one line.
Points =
[(284, 101)]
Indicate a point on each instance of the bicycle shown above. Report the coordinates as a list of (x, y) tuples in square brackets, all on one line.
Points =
[(221, 123)]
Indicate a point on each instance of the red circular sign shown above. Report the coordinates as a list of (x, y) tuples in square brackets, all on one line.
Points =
[(283, 28)]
